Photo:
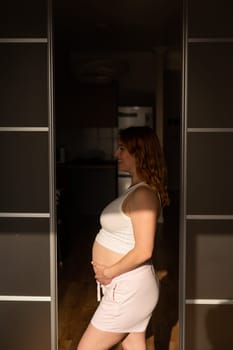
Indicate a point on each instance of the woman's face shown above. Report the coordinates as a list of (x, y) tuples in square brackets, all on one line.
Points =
[(126, 161)]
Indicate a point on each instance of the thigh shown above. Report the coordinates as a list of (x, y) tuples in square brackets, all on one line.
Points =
[(134, 341), (96, 339)]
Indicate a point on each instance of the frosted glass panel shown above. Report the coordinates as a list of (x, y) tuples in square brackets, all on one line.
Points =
[(209, 260), (24, 172), (210, 89), (209, 327), (210, 174), (23, 19), (26, 243), (23, 85), (210, 18), (25, 325)]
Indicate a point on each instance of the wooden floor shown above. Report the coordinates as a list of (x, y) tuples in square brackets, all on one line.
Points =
[(77, 287)]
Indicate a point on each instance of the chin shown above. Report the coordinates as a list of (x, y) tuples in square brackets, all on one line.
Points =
[(121, 168)]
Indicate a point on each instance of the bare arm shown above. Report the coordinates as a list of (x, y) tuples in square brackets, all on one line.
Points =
[(143, 209)]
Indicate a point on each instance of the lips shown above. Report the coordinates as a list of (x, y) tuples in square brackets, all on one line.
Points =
[(120, 163)]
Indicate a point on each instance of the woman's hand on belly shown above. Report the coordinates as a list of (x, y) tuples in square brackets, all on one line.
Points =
[(99, 273)]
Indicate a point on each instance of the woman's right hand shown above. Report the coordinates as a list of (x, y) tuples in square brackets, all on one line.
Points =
[(99, 273)]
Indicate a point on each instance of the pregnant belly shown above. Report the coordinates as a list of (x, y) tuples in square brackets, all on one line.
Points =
[(104, 256)]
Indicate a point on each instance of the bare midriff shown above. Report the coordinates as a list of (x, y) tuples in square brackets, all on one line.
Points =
[(104, 256)]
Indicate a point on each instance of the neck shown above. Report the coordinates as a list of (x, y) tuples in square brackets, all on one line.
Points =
[(136, 180)]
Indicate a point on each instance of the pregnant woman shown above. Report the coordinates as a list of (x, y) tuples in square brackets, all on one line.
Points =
[(128, 288)]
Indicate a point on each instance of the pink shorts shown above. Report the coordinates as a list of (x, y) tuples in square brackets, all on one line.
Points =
[(128, 301)]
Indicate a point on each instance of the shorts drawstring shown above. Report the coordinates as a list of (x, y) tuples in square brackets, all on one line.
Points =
[(100, 290)]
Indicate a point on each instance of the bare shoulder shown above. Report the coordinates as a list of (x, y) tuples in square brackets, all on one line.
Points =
[(144, 196)]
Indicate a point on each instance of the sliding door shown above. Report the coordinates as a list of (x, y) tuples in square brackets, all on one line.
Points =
[(206, 300), (27, 214)]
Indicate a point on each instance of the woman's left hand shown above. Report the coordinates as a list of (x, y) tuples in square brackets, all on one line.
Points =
[(99, 273)]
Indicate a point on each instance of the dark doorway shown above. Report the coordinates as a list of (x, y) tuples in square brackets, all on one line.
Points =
[(106, 55)]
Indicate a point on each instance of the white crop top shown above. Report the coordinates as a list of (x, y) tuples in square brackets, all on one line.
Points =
[(116, 231)]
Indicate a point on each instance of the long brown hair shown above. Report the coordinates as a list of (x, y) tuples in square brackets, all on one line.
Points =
[(143, 143)]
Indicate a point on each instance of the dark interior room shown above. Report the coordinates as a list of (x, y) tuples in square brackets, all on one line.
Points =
[(109, 59)]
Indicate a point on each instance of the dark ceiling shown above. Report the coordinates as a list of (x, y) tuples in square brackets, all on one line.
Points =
[(97, 25)]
